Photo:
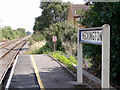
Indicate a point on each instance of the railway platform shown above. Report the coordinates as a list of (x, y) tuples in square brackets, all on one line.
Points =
[(40, 72)]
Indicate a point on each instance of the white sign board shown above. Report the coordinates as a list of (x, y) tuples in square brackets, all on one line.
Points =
[(92, 36), (99, 36), (54, 39)]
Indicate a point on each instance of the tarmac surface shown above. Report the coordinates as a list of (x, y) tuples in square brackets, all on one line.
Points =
[(24, 76), (50, 74)]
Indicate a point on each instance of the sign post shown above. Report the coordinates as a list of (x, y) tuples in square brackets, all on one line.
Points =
[(54, 39), (98, 36)]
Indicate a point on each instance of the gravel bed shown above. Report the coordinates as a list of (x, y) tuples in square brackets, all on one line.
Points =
[(6, 61), (7, 48)]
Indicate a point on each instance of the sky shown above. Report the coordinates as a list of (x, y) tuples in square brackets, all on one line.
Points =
[(22, 13)]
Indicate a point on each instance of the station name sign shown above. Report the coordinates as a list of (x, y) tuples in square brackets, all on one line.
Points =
[(98, 36), (91, 35)]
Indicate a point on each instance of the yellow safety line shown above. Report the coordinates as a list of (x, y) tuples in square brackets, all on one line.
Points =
[(37, 74)]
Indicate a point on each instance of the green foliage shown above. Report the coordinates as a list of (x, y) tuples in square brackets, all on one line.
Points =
[(52, 13), (30, 41), (73, 59), (7, 33), (20, 32), (59, 55), (52, 53), (45, 48), (81, 13), (37, 36), (64, 60), (66, 36), (99, 14)]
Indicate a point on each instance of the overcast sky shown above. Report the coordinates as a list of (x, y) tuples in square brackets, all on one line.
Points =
[(22, 13)]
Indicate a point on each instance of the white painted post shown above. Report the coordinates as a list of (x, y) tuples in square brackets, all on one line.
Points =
[(79, 62), (54, 47), (105, 56)]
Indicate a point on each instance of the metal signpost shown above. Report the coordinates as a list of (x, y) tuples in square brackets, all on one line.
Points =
[(98, 36), (54, 39)]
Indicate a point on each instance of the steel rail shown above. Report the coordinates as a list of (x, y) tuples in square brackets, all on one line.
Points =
[(23, 42), (10, 49), (8, 43)]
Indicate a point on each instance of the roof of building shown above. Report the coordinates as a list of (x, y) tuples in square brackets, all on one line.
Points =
[(75, 7)]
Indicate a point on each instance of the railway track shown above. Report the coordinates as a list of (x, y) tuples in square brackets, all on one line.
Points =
[(8, 43), (8, 52)]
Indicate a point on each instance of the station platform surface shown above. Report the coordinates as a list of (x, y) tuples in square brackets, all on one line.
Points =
[(24, 76), (40, 72)]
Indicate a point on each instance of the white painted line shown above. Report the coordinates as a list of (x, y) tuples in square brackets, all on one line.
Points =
[(11, 74)]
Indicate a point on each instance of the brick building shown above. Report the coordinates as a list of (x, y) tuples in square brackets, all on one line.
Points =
[(72, 16)]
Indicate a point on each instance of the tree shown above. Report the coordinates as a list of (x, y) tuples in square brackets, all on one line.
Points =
[(53, 12), (66, 37), (28, 33), (106, 13), (21, 32), (7, 33)]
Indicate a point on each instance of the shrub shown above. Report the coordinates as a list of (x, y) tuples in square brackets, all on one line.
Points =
[(30, 41), (46, 48), (64, 60), (73, 59), (66, 36), (37, 36)]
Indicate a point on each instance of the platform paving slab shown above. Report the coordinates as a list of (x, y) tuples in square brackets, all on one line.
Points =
[(24, 76), (53, 75)]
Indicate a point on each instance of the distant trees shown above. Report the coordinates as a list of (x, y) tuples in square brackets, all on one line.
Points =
[(7, 33), (28, 33), (21, 32), (0, 34), (53, 12)]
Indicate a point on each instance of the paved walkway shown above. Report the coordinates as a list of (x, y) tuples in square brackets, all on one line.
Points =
[(24, 76), (40, 71)]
